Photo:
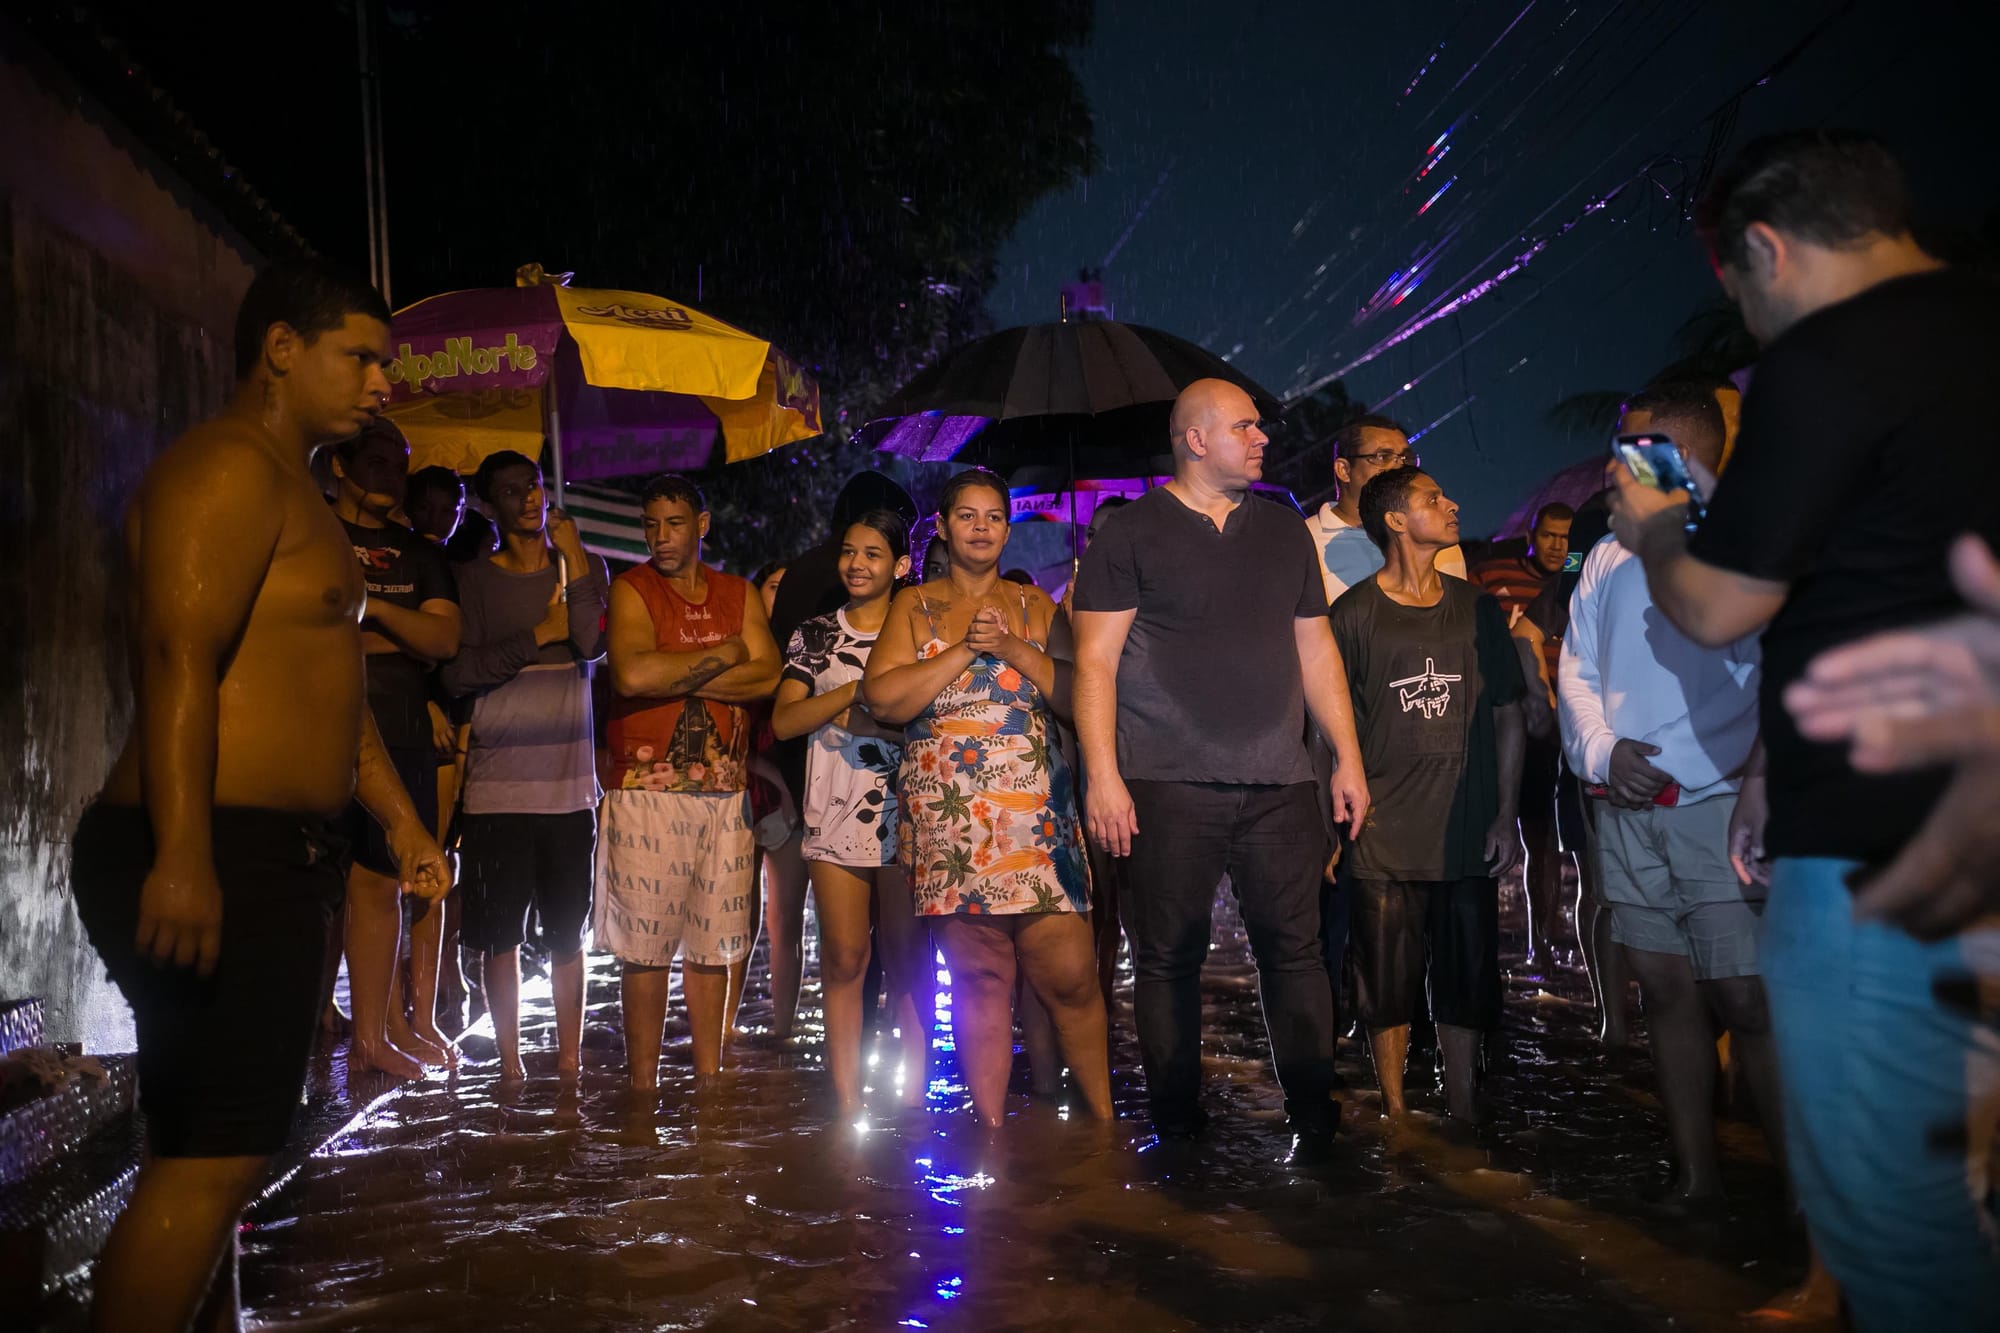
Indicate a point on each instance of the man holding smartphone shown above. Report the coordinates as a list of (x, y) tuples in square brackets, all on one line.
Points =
[(1660, 730), (1867, 448)]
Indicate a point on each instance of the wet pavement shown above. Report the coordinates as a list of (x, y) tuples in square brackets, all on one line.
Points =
[(454, 1205)]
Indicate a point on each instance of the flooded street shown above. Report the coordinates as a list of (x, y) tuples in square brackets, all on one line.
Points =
[(452, 1206)]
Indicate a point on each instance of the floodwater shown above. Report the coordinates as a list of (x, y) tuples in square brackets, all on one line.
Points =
[(453, 1205)]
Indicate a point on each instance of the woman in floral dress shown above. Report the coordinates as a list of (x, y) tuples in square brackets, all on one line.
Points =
[(989, 833)]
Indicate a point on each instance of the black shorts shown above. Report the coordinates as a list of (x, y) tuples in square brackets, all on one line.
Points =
[(510, 863), (1401, 930), (222, 1059), (368, 845)]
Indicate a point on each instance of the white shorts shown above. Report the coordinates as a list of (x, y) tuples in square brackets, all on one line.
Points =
[(673, 875)]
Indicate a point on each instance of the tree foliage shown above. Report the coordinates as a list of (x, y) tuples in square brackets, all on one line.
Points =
[(836, 177), (1301, 453)]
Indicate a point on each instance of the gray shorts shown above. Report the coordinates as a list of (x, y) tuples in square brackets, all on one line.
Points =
[(1671, 889)]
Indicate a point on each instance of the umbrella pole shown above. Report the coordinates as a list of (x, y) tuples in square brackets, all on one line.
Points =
[(1075, 542), (555, 442)]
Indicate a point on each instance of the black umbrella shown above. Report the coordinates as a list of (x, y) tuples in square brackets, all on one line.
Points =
[(1090, 394)]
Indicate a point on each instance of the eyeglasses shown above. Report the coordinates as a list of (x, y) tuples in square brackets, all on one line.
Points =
[(1386, 458)]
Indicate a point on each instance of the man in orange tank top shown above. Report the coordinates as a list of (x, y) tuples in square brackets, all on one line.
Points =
[(689, 647)]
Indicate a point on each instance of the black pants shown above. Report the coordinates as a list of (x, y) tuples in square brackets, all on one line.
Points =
[(1407, 931), (1271, 843), (222, 1058), (1334, 897)]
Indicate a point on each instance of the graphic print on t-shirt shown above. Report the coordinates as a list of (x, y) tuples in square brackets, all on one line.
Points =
[(1428, 693), (381, 566), (688, 743), (400, 569), (850, 800), (1424, 683)]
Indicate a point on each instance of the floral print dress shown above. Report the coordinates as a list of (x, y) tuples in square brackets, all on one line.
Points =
[(989, 819)]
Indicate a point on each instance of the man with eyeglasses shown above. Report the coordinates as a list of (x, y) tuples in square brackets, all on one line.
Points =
[(1363, 449)]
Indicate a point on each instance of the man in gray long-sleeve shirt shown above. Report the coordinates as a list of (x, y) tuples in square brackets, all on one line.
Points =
[(534, 619)]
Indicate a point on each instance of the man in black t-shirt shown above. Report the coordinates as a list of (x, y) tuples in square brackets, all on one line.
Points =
[(410, 624), (1201, 645), (1867, 446), (1437, 685), (435, 503)]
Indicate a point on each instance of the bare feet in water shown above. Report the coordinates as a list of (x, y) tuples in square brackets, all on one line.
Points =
[(383, 1058), (1815, 1302), (428, 1044)]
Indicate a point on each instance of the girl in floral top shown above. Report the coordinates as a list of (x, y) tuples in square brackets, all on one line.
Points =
[(989, 832), (850, 835)]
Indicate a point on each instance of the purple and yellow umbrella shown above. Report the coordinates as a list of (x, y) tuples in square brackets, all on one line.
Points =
[(616, 383)]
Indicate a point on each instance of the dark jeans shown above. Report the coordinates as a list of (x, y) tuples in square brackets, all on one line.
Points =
[(1334, 897), (1271, 843)]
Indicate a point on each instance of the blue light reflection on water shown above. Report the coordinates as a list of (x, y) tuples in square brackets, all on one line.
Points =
[(609, 1207), (940, 1090)]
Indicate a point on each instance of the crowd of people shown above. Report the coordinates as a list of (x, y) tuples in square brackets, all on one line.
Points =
[(1760, 723)]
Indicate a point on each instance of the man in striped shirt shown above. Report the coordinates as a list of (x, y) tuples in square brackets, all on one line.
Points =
[(1514, 580), (534, 620)]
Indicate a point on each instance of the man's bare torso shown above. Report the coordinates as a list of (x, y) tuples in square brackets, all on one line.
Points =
[(291, 693)]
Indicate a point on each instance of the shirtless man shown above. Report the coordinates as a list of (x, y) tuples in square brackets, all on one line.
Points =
[(203, 872)]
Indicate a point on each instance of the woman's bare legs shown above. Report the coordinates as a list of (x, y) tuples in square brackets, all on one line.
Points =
[(910, 973), (1038, 1042), (1059, 957), (840, 901), (979, 954), (784, 922)]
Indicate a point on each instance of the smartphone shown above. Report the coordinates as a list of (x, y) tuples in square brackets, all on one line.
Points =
[(1657, 462)]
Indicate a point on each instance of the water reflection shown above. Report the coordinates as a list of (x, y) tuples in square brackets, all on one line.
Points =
[(748, 1206)]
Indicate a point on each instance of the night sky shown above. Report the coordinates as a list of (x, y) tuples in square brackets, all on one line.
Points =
[(1286, 142), (1259, 181)]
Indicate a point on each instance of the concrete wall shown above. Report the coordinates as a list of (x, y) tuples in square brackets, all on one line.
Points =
[(117, 293)]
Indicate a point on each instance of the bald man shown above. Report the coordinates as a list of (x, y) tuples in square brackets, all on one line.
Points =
[(1201, 644)]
